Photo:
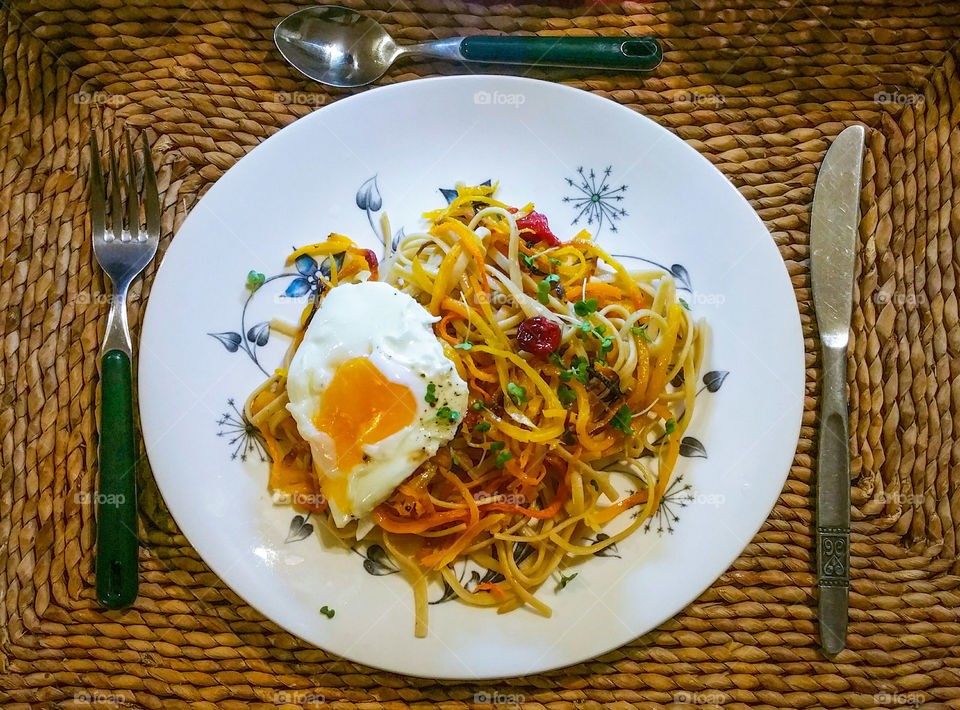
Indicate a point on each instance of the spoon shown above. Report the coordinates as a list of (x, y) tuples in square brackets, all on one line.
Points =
[(341, 47)]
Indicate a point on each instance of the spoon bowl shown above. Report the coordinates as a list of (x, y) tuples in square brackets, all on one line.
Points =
[(335, 45)]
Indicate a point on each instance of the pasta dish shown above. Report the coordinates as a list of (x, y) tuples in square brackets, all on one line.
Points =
[(482, 392)]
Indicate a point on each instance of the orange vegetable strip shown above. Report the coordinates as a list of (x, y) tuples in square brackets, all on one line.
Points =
[(610, 512), (659, 375), (467, 497), (419, 525), (491, 587)]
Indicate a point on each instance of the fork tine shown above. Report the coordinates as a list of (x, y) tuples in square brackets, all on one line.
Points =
[(116, 202), (151, 200), (133, 199), (98, 212)]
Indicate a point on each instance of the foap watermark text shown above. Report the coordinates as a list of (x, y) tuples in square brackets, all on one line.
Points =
[(499, 98)]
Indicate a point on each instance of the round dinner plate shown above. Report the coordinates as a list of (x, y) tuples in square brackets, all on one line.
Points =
[(587, 163)]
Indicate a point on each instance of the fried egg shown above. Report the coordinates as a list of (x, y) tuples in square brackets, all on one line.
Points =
[(372, 393)]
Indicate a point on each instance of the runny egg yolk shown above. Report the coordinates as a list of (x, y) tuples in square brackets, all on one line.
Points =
[(359, 407)]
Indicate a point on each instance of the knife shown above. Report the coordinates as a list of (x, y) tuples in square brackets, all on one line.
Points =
[(833, 241)]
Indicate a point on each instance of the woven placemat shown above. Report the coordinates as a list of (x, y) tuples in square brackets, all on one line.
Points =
[(760, 88)]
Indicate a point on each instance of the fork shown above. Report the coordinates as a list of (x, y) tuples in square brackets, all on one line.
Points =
[(122, 250)]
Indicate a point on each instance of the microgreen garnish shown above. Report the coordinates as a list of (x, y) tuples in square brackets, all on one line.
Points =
[(641, 330), (556, 359), (621, 420), (529, 261), (584, 330), (255, 280), (463, 346), (448, 414), (671, 426), (518, 393), (567, 395), (543, 292), (478, 406), (502, 458), (327, 611), (497, 446), (555, 262), (431, 396), (606, 345), (684, 303), (543, 288), (482, 427), (585, 308), (578, 369), (565, 580)]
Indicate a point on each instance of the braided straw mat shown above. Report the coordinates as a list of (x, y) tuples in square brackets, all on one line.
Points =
[(759, 87)]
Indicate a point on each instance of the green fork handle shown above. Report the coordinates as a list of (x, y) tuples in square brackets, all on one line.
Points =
[(117, 543), (630, 53)]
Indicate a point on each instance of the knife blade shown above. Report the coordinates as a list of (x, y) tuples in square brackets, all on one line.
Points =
[(833, 241)]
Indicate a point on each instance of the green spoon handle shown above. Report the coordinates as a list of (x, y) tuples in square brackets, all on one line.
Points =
[(117, 544), (630, 53)]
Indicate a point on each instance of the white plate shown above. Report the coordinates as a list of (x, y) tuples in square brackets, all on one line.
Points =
[(640, 189)]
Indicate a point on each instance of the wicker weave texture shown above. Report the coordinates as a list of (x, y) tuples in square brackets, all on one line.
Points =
[(759, 87)]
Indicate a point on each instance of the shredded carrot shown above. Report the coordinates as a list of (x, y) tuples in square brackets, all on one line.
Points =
[(603, 292), (492, 587)]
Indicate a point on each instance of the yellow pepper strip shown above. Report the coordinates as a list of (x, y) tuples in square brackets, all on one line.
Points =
[(421, 277), (583, 420), (473, 247), (335, 243), (442, 284), (666, 467), (639, 391), (659, 375)]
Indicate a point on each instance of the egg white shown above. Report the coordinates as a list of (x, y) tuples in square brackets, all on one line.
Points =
[(376, 321)]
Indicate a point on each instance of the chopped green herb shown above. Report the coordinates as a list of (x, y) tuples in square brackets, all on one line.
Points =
[(565, 580), (327, 611), (255, 280), (621, 420), (431, 396), (482, 427), (463, 346), (502, 458), (478, 406), (641, 331), (585, 308), (518, 393), (448, 414), (497, 446), (671, 426), (684, 303), (567, 395)]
